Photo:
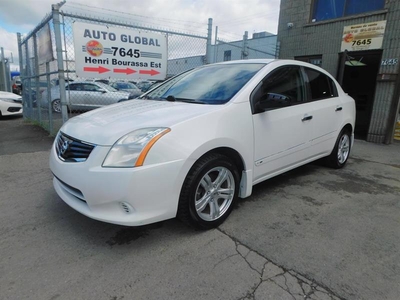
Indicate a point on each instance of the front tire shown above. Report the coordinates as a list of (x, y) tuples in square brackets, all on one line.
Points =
[(209, 192), (340, 153)]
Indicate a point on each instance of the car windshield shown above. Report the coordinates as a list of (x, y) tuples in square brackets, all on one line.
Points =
[(215, 84)]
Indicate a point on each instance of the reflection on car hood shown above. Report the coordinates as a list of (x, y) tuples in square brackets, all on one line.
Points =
[(12, 96), (106, 125)]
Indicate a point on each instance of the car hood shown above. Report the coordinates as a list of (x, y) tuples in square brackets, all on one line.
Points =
[(11, 96), (104, 126)]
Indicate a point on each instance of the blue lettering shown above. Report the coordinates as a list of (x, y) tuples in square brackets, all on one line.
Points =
[(87, 33)]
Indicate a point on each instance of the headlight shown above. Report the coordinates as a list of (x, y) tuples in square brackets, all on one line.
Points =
[(131, 150)]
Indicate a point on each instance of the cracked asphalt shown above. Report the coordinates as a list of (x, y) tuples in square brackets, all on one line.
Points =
[(313, 233)]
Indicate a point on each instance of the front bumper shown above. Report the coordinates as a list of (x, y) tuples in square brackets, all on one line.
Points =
[(125, 196)]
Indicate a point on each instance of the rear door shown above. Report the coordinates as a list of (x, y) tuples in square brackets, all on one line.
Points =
[(327, 111)]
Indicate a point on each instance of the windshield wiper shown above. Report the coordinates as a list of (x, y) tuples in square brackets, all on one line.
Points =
[(172, 98)]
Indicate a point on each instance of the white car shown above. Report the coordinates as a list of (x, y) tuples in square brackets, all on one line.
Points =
[(10, 104), (85, 96), (192, 146)]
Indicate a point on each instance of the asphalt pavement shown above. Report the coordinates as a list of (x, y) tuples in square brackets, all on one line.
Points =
[(312, 233)]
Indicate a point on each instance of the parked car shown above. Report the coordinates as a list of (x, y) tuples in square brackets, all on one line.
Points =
[(127, 87), (29, 92), (17, 85), (192, 146), (56, 81), (10, 104), (42, 85), (144, 85), (85, 96)]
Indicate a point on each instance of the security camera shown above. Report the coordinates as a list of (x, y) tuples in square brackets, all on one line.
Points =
[(290, 25)]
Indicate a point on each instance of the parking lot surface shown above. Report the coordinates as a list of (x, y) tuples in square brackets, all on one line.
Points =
[(313, 233)]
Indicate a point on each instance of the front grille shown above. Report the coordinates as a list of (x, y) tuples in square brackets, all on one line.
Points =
[(72, 150)]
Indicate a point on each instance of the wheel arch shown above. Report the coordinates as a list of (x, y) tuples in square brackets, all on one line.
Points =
[(230, 153), (245, 175), (350, 128)]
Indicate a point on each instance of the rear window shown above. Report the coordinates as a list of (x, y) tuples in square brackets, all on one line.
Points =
[(321, 86)]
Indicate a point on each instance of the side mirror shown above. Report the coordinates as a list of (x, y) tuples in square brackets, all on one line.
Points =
[(272, 101)]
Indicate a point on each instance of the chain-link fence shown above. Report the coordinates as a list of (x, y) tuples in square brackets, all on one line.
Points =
[(52, 89), (55, 85)]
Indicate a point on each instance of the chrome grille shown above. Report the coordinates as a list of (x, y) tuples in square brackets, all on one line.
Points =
[(72, 150)]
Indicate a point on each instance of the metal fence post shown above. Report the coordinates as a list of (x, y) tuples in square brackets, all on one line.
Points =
[(60, 62), (216, 45), (208, 47), (245, 52), (36, 72), (49, 99), (21, 69), (4, 69), (26, 84)]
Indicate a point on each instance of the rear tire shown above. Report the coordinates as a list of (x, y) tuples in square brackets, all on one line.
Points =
[(340, 153), (209, 192)]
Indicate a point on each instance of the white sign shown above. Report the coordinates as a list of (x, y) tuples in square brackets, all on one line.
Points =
[(365, 36), (45, 53), (111, 52)]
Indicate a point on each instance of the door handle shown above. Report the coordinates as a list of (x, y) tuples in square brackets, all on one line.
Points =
[(338, 108), (306, 118)]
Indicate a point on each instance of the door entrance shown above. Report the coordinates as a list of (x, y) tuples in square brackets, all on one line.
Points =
[(359, 81)]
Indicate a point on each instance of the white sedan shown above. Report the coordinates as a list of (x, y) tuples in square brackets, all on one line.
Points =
[(10, 104), (190, 147)]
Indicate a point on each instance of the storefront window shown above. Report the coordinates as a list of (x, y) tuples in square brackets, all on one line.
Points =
[(331, 9), (315, 59)]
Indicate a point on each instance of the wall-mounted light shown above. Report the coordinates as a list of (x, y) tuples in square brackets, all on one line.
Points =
[(290, 25), (350, 61)]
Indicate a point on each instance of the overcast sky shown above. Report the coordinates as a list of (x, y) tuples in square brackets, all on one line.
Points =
[(233, 17)]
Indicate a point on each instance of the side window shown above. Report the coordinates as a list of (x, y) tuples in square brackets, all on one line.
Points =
[(91, 88), (281, 88), (321, 86), (74, 87)]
